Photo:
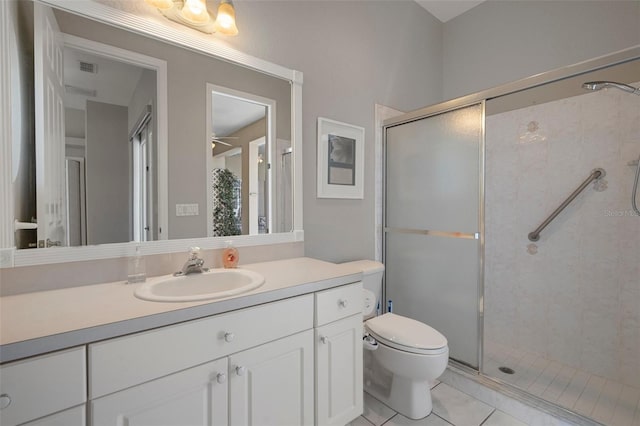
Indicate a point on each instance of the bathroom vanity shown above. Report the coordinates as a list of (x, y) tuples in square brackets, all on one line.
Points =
[(287, 353)]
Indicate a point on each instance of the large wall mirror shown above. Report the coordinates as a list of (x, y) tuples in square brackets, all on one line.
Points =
[(122, 135)]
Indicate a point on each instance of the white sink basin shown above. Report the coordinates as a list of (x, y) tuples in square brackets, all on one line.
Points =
[(214, 284)]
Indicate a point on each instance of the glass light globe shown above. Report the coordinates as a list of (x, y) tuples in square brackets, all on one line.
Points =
[(226, 19)]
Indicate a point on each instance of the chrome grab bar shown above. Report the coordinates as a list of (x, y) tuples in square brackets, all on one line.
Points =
[(595, 175)]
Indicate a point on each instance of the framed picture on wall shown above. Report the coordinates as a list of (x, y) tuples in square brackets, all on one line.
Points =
[(340, 159)]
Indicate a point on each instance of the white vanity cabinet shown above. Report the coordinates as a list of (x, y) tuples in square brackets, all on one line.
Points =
[(295, 361), (338, 355), (251, 366), (46, 390), (271, 384)]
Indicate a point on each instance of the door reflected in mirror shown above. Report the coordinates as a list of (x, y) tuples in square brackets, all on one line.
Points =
[(95, 139)]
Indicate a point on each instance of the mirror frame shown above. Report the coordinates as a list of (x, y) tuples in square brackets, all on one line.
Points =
[(11, 257)]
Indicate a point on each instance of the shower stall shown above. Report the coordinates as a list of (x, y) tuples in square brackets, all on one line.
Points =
[(510, 225)]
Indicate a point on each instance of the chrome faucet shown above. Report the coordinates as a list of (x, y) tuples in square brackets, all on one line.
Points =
[(194, 264)]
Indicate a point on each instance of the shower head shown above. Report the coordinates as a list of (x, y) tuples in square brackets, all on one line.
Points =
[(598, 85)]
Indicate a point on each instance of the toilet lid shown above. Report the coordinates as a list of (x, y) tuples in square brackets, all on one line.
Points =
[(406, 332)]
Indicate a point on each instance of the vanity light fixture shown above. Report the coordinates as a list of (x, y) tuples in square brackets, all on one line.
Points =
[(194, 14)]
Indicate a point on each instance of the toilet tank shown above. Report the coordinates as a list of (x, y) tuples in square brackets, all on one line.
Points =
[(371, 275)]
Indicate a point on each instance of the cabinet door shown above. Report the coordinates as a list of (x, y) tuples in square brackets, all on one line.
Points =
[(272, 384), (339, 371), (196, 396), (72, 417)]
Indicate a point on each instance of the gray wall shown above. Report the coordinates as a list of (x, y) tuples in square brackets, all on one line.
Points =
[(144, 94), (502, 41), (353, 54), (107, 171), (74, 123), (395, 53)]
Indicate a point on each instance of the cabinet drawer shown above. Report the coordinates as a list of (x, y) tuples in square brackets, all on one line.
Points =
[(127, 361), (337, 303), (43, 385)]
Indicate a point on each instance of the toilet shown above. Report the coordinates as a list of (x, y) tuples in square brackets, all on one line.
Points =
[(402, 356)]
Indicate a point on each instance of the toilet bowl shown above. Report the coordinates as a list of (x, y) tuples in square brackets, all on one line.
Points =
[(403, 356), (414, 354)]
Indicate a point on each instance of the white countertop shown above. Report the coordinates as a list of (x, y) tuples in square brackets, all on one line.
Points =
[(41, 322)]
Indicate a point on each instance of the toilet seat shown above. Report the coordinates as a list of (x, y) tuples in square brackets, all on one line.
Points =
[(406, 334)]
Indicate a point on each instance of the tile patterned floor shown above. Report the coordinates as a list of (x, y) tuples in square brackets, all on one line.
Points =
[(450, 407), (604, 400)]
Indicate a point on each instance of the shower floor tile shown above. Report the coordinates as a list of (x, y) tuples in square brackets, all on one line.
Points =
[(601, 399)]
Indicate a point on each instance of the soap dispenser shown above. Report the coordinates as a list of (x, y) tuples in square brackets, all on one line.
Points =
[(137, 270), (230, 256)]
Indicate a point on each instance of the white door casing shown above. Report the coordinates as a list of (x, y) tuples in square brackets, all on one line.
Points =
[(270, 138), (254, 185)]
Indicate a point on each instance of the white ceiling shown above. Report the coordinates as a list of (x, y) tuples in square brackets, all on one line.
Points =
[(445, 10), (230, 114), (114, 82)]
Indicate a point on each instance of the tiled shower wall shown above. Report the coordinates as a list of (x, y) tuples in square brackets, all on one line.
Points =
[(573, 296)]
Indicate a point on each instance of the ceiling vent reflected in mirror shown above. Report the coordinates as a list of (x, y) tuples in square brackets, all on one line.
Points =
[(88, 67), (194, 14)]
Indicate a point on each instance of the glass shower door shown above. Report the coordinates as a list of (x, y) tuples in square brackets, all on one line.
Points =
[(432, 246)]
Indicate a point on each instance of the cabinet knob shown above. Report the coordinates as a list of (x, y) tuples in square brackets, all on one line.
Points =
[(221, 378), (343, 303), (5, 401), (228, 337), (241, 370), (324, 339)]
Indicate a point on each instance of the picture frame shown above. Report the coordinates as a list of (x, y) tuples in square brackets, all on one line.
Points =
[(340, 160)]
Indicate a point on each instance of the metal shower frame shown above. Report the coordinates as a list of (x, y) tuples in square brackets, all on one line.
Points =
[(599, 63)]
